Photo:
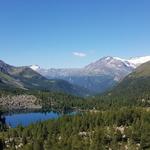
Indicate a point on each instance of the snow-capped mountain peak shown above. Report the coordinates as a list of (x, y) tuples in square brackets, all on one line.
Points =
[(35, 67), (110, 65), (132, 63)]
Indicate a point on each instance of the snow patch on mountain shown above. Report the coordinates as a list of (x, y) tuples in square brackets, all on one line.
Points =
[(134, 62), (137, 61), (35, 67)]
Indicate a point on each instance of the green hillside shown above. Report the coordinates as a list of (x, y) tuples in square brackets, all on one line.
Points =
[(135, 87), (142, 71)]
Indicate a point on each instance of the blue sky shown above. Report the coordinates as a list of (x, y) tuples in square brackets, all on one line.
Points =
[(72, 33)]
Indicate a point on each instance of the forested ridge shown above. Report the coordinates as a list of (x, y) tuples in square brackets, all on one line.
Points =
[(102, 123)]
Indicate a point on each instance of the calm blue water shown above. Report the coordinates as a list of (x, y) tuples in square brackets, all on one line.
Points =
[(26, 119)]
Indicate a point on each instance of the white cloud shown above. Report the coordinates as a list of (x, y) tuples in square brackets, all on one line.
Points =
[(79, 54)]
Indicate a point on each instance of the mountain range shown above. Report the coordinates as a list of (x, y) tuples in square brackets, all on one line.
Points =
[(97, 77), (26, 78)]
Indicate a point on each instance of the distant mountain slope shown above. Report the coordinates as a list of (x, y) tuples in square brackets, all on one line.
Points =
[(136, 86), (26, 78), (97, 77)]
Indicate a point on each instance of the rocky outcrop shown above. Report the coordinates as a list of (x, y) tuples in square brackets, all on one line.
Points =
[(19, 102)]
